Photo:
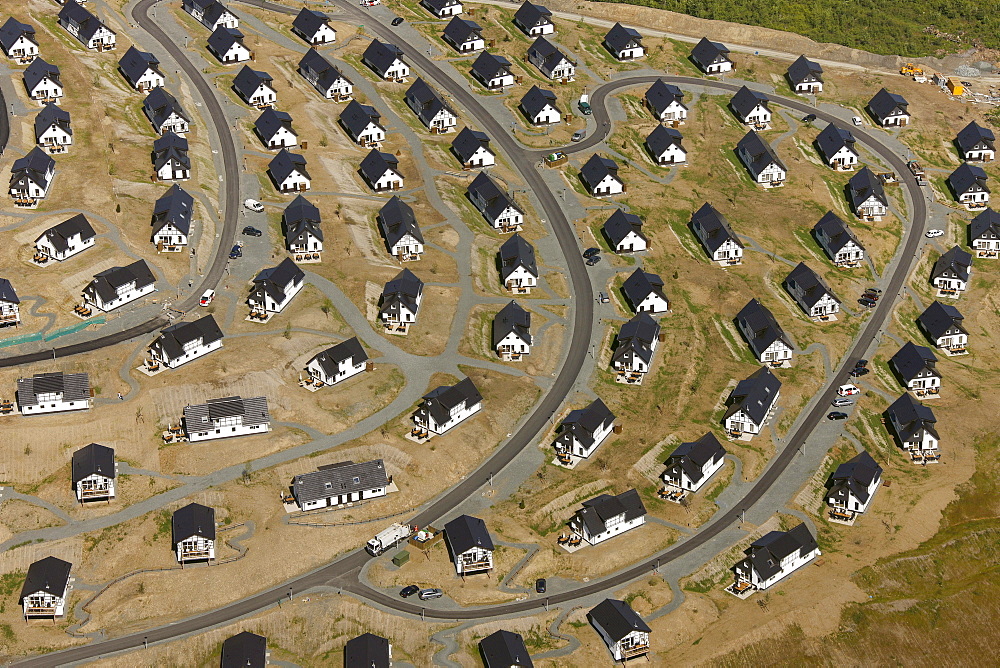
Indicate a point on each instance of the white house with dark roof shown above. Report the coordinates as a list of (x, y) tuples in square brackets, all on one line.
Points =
[(984, 234), (518, 267), (274, 288), (498, 208), (805, 76), (764, 165), (968, 183), (226, 417), (184, 342), (446, 406), (472, 148), (338, 363), (504, 649), (916, 367), (399, 227), (340, 483), (118, 286), (227, 45), (53, 393), (711, 57), (362, 124), (381, 171), (165, 112), (141, 70), (811, 293), (325, 77), (950, 274), (665, 147), (623, 232), (432, 111), (442, 9), (693, 464), (867, 196), (314, 27), (400, 302), (512, 332), (53, 130), (493, 71), (244, 650), (632, 355), (274, 128), (255, 87), (836, 146), (644, 292), (46, 587), (751, 108), (550, 61), (539, 107), (889, 109), (42, 81), (606, 516), (86, 27), (31, 178), (464, 35), (916, 428), (288, 172), (94, 472), (621, 629), (193, 533), (60, 242), (368, 649), (171, 161), (838, 241), (171, 222), (851, 488), (768, 342), (211, 13), (716, 236), (18, 40), (665, 101), (942, 323), (975, 142), (469, 544), (10, 313), (771, 558), (303, 232), (600, 177), (624, 43), (386, 60), (751, 404), (584, 429), (534, 20)]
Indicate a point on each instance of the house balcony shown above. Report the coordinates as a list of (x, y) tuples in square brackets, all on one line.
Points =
[(9, 319), (307, 257), (342, 97), (842, 516), (6, 407), (975, 206), (40, 611), (951, 351), (630, 377), (518, 289), (632, 651), (741, 589), (510, 356), (927, 392), (22, 202), (469, 566), (406, 256), (52, 148), (401, 328), (83, 310), (990, 254), (168, 248), (195, 555), (772, 184), (920, 457), (672, 492)]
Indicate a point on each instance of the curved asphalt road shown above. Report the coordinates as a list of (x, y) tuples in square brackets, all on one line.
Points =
[(230, 203), (342, 572)]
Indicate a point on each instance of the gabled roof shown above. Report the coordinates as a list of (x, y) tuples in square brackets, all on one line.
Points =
[(505, 649), (636, 338), (461, 30), (135, 63), (351, 349), (465, 532), (640, 285), (52, 115), (93, 459), (72, 386), (252, 411), (212, 10), (7, 293), (885, 104), (529, 15), (286, 162), (170, 140), (833, 138), (248, 80), (836, 232), (812, 287), (516, 253), (223, 38), (301, 216), (274, 280), (244, 650), (968, 177), (376, 164), (381, 55), (357, 116), (621, 37), (536, 99), (598, 168), (955, 261), (59, 235), (396, 219), (13, 30), (38, 70), (160, 104), (855, 476), (340, 478), (326, 73), (804, 69), (974, 136), (746, 100), (426, 100), (193, 519), (765, 553), (49, 575), (754, 395), (468, 141), (368, 651), (73, 13), (597, 511), (617, 618), (309, 21), (661, 95), (911, 359), (174, 208), (764, 329), (760, 152), (170, 146), (490, 65), (34, 166), (716, 227), (271, 120), (403, 289), (909, 417), (438, 5), (497, 201), (173, 339), (864, 185), (938, 318), (550, 54), (706, 52), (663, 138), (443, 398), (583, 422), (512, 319), (692, 456), (987, 221), (620, 224), (107, 282)]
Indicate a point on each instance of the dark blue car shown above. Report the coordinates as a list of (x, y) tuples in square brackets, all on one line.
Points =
[(236, 252)]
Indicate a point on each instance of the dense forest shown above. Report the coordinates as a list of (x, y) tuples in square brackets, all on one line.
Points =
[(903, 27)]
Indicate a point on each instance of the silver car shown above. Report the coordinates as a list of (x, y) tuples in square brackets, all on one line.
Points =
[(841, 401), (428, 594)]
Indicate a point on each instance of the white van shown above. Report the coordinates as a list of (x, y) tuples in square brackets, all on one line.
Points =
[(848, 390), (207, 298)]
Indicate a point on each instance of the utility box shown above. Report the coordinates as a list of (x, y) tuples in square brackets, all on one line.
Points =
[(955, 88), (401, 558)]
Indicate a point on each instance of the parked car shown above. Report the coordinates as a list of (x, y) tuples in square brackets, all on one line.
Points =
[(836, 415), (934, 234), (809, 118), (396, 21), (875, 290), (251, 231), (253, 205), (860, 371), (207, 298), (856, 120), (428, 594), (540, 585), (591, 261), (603, 297), (861, 363), (409, 590), (841, 401), (578, 135), (848, 390), (235, 252), (867, 303), (591, 252), (870, 295)]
